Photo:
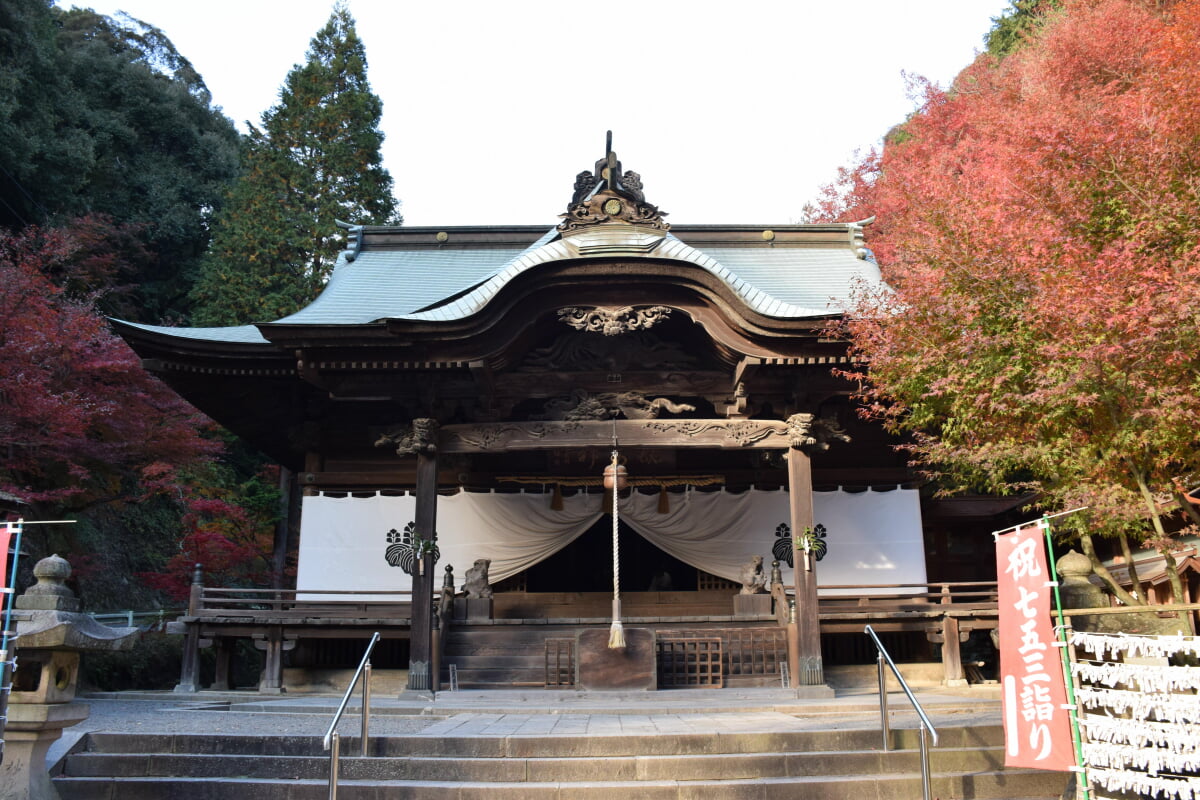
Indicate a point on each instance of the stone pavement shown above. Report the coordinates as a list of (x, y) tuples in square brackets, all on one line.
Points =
[(525, 713)]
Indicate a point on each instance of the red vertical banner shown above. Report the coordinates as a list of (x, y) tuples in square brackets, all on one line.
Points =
[(1037, 725), (6, 534)]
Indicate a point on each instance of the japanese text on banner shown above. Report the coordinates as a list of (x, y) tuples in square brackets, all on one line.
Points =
[(1037, 727)]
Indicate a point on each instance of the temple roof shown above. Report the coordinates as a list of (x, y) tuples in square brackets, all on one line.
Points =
[(430, 275), (805, 271)]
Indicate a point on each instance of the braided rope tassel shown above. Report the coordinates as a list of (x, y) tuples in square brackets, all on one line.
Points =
[(616, 633)]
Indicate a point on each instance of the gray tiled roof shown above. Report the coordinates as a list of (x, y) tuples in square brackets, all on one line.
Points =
[(441, 284)]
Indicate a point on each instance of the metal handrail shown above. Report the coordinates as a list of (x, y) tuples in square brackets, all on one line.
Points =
[(332, 739), (925, 724)]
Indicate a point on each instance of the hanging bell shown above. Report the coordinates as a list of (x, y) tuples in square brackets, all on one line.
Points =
[(616, 477)]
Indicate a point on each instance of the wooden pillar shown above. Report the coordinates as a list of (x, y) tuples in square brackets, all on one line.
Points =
[(224, 654), (952, 667), (808, 671), (420, 653), (189, 666), (273, 646), (288, 497)]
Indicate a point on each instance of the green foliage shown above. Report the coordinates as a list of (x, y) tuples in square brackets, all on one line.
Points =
[(151, 664), (102, 116), (315, 160), (163, 156), (1012, 29)]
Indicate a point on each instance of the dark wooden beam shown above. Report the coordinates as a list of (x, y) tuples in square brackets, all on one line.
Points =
[(686, 433)]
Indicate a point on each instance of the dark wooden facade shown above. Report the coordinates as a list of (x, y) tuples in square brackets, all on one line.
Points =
[(467, 357)]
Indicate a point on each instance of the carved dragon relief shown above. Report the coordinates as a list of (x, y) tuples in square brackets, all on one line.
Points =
[(611, 320), (422, 437), (810, 433), (489, 437), (741, 432), (606, 405)]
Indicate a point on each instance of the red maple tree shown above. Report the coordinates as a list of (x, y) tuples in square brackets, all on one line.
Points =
[(77, 411), (1036, 229)]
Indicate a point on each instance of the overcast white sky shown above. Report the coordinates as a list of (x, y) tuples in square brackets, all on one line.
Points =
[(732, 112)]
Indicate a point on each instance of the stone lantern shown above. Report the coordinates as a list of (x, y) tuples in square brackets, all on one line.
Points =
[(51, 633)]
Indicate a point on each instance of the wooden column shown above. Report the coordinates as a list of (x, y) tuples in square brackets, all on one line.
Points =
[(224, 656), (952, 667), (420, 652), (288, 499), (270, 680), (189, 665), (808, 671)]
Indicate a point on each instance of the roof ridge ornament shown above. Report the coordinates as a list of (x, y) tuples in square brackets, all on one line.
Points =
[(609, 196)]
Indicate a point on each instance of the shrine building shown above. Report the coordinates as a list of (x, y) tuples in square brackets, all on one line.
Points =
[(450, 403)]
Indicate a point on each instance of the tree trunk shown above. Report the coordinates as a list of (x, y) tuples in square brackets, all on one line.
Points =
[(1135, 583), (1189, 509), (1164, 543), (1085, 541)]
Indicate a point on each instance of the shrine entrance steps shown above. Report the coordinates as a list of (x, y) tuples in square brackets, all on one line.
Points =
[(816, 765)]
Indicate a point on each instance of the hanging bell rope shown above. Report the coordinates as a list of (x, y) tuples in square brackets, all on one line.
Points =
[(616, 633), (615, 480)]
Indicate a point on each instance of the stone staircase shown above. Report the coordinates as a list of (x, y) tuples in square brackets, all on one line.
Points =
[(816, 765)]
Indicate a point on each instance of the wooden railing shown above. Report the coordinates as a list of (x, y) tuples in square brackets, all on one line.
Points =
[(976, 593), (298, 603)]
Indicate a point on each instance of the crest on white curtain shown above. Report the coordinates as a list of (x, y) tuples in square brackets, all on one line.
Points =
[(782, 549), (405, 547), (813, 540)]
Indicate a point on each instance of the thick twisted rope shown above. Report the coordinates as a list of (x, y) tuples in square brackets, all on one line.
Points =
[(616, 635)]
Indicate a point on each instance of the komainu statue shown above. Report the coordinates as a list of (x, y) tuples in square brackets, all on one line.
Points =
[(753, 577), (476, 586)]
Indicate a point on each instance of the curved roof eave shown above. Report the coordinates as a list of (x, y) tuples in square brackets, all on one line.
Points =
[(238, 334), (763, 302)]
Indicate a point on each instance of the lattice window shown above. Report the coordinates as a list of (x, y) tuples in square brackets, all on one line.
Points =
[(754, 651), (746, 651), (690, 662), (707, 582), (560, 663)]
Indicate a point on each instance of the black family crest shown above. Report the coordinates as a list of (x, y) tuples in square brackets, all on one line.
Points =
[(404, 547), (812, 540)]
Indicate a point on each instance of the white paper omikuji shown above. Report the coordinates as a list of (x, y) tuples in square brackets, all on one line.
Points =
[(1135, 644), (1146, 785), (1148, 678), (1175, 739), (1180, 708), (1150, 759)]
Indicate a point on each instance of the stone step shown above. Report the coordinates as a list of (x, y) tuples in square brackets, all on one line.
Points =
[(551, 746), (990, 785), (714, 766)]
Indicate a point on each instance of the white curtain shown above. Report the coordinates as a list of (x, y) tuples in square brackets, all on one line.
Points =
[(343, 539), (873, 537), (716, 531)]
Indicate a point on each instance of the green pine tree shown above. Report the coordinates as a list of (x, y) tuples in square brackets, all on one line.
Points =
[(316, 159)]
